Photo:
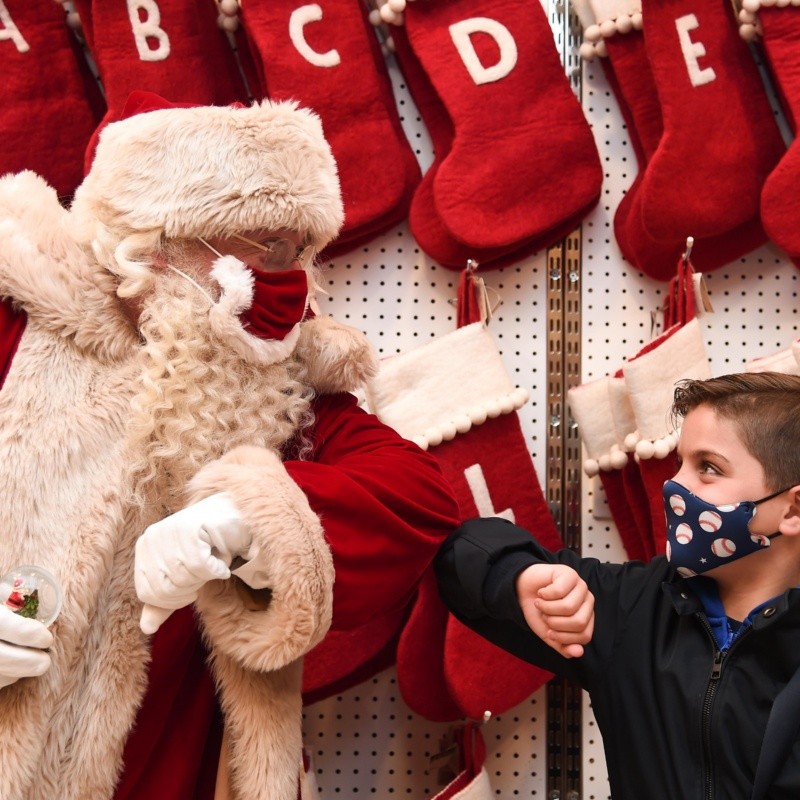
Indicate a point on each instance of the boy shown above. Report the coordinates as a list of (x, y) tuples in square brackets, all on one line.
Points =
[(682, 657)]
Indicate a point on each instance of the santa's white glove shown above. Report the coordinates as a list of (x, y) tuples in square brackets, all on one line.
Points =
[(178, 554), (22, 645)]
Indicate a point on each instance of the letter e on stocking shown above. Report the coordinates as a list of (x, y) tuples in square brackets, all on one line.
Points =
[(693, 51)]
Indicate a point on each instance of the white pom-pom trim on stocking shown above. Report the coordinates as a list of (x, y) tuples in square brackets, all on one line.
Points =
[(228, 19), (462, 423), (388, 12), (749, 24), (615, 459), (591, 467), (72, 17), (594, 36), (646, 449)]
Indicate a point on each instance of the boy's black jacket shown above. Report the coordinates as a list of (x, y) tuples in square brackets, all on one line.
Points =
[(680, 720)]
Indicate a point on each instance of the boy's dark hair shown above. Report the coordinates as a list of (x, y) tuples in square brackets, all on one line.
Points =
[(764, 406)]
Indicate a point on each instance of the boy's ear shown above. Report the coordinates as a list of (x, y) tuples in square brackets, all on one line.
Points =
[(790, 522)]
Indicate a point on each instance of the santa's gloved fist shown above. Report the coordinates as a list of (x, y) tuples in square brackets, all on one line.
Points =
[(178, 554), (23, 643)]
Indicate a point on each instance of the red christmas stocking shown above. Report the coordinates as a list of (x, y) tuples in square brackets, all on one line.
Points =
[(780, 203), (651, 376), (423, 218), (345, 658), (516, 124), (425, 225), (486, 487), (173, 48), (616, 33), (47, 117), (590, 404), (633, 486), (329, 59), (425, 690), (454, 397), (656, 258), (720, 137)]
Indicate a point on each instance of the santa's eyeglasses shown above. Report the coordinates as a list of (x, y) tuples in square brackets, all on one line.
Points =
[(280, 254)]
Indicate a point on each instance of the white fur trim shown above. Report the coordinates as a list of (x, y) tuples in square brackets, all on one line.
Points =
[(611, 9), (263, 719), (651, 378), (432, 393), (337, 357), (290, 556), (656, 448), (237, 295)]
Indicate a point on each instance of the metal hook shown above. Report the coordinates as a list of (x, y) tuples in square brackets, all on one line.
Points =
[(689, 245)]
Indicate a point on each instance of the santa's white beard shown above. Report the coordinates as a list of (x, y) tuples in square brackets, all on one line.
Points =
[(197, 398)]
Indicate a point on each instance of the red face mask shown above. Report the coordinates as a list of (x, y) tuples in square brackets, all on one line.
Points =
[(280, 301)]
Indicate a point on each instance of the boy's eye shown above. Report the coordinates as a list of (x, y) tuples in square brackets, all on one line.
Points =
[(708, 468)]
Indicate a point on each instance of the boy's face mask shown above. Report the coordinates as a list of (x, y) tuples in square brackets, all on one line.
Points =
[(702, 536)]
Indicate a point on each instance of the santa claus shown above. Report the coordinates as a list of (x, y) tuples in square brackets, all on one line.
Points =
[(180, 447)]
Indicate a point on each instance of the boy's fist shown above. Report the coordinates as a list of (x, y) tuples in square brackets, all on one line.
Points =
[(558, 607)]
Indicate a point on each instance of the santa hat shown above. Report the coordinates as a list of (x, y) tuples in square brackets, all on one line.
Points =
[(209, 170)]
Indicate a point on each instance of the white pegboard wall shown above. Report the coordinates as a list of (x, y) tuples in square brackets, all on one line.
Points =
[(366, 742)]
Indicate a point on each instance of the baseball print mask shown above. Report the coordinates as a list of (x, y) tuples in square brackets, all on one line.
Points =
[(702, 536)]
